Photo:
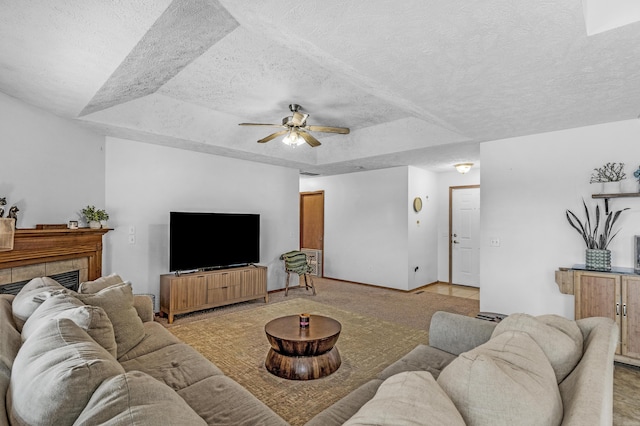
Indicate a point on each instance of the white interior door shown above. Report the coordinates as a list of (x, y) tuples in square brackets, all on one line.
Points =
[(465, 236)]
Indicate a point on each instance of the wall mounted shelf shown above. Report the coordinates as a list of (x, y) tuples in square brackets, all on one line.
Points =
[(618, 195)]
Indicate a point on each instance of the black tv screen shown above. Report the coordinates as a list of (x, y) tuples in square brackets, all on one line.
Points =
[(200, 240)]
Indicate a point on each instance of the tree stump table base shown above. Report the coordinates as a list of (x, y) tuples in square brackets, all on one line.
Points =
[(299, 353), (303, 367)]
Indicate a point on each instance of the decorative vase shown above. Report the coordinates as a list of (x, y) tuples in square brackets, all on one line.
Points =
[(103, 224), (598, 260), (94, 224), (611, 187)]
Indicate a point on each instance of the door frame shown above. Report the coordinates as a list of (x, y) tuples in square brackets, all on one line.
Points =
[(451, 189)]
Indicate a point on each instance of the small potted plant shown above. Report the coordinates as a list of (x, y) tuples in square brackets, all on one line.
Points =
[(598, 256), (93, 216), (609, 175), (102, 217)]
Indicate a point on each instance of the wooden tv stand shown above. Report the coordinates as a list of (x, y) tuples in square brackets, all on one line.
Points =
[(203, 290)]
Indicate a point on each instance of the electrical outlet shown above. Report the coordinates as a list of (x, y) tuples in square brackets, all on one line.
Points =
[(495, 242), (132, 239)]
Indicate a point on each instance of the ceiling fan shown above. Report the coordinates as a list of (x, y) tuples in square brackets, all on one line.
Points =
[(296, 129)]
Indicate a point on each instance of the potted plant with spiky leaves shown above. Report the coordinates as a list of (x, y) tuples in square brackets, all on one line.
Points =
[(597, 240)]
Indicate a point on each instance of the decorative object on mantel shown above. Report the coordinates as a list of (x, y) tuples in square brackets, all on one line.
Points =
[(609, 176), (7, 232), (3, 202), (51, 226), (13, 213), (597, 256), (636, 175), (96, 218)]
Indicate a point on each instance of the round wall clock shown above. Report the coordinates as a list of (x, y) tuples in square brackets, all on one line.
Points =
[(417, 204)]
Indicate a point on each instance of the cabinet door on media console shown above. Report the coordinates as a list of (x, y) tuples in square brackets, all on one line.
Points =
[(188, 292), (224, 285)]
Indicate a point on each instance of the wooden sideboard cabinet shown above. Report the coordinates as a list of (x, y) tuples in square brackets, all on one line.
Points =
[(203, 290), (615, 295)]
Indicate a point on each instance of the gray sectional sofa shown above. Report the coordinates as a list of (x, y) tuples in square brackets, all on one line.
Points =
[(525, 370), (97, 357)]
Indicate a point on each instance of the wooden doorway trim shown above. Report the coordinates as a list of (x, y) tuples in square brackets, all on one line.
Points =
[(451, 189)]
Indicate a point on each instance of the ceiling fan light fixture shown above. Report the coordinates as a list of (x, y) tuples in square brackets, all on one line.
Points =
[(293, 139), (463, 167)]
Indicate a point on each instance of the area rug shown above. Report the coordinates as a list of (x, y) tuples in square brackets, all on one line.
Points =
[(237, 344)]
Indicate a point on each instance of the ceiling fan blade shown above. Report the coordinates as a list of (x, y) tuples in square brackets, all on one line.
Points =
[(327, 129), (259, 124), (310, 139), (273, 136)]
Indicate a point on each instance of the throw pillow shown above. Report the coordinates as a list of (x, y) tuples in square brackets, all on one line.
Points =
[(506, 381), (560, 339), (135, 398), (408, 398), (99, 284), (117, 302), (92, 319), (55, 373), (24, 304)]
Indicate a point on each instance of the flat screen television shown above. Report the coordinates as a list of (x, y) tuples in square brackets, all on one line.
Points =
[(199, 240)]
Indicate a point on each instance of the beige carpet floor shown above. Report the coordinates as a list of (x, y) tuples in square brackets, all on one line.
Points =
[(237, 344)]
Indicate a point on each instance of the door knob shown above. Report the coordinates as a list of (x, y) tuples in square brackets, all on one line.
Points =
[(455, 242)]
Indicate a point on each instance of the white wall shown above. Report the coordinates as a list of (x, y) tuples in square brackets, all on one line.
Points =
[(446, 180), (145, 182), (527, 184), (422, 228), (49, 167), (367, 227)]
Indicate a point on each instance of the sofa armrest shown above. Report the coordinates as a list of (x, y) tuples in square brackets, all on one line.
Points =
[(144, 307), (456, 333), (587, 392)]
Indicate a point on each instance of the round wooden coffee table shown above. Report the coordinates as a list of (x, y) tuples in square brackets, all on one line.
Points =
[(302, 353)]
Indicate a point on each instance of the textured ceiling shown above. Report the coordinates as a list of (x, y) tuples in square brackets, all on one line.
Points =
[(418, 82)]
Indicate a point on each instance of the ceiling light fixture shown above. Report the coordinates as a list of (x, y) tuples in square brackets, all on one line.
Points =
[(293, 139), (463, 167)]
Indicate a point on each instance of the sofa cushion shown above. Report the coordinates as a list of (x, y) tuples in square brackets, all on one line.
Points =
[(408, 398), (117, 302), (25, 302), (559, 338), (91, 319), (506, 381), (156, 337), (55, 373), (134, 398), (177, 365), (221, 401), (10, 340), (5, 380), (101, 283), (343, 409), (421, 358)]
